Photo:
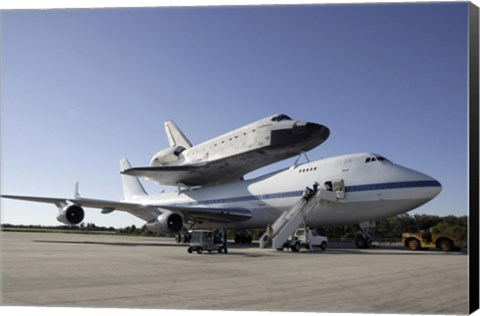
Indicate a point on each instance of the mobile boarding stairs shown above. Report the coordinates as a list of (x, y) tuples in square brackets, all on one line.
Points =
[(291, 219)]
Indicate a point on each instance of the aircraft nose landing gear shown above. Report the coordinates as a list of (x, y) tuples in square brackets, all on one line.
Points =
[(363, 240)]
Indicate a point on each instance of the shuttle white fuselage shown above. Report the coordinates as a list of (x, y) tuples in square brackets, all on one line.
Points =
[(232, 155)]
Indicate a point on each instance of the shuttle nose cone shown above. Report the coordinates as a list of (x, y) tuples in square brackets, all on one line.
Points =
[(317, 131), (313, 134), (311, 130), (301, 135)]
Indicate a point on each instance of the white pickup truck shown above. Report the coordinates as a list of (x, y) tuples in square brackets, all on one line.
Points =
[(308, 240)]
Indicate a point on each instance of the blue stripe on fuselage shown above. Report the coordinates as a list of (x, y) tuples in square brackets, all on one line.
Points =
[(392, 185), (352, 188)]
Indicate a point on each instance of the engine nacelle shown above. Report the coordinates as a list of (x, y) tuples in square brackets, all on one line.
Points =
[(70, 214), (166, 223), (167, 156)]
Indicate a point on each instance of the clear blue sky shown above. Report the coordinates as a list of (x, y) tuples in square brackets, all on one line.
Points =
[(81, 89)]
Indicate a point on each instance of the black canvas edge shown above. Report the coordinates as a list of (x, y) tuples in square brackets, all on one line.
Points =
[(473, 12)]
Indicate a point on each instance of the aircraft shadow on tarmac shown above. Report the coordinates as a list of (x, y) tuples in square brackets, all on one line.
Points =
[(132, 244), (123, 244), (171, 245)]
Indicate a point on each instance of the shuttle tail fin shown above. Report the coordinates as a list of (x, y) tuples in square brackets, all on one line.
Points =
[(131, 185), (176, 136)]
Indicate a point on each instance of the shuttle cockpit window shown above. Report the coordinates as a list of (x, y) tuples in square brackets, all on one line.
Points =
[(281, 117)]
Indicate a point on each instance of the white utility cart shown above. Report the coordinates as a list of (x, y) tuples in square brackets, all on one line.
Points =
[(204, 240)]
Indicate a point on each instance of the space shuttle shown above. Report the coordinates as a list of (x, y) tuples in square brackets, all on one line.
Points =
[(227, 158)]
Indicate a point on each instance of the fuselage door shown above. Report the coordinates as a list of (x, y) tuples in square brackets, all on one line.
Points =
[(338, 186), (346, 165)]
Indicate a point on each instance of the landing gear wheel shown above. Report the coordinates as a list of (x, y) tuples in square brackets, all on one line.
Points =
[(243, 238), (220, 250), (186, 238), (362, 243), (178, 238)]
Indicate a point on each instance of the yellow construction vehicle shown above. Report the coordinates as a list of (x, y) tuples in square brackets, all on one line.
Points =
[(427, 240)]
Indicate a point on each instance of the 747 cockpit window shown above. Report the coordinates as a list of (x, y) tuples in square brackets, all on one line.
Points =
[(281, 117), (375, 158)]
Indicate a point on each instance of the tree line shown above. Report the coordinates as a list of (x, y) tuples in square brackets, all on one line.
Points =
[(83, 227), (389, 229)]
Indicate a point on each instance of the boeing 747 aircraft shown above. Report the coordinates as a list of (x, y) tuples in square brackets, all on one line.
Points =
[(230, 156), (367, 186)]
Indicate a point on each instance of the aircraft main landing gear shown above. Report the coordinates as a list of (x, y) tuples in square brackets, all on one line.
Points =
[(243, 237), (183, 238)]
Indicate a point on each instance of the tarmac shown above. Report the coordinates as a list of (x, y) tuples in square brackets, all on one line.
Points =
[(74, 270)]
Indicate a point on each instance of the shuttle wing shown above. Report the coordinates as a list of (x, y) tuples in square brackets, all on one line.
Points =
[(199, 174)]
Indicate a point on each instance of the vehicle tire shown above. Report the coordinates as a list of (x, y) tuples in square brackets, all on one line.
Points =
[(199, 250), (413, 244), (307, 246), (178, 238), (323, 246), (220, 250), (190, 250), (445, 244), (296, 247), (248, 239), (279, 249)]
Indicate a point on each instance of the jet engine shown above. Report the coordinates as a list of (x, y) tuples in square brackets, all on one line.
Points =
[(166, 223), (70, 214), (167, 156)]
